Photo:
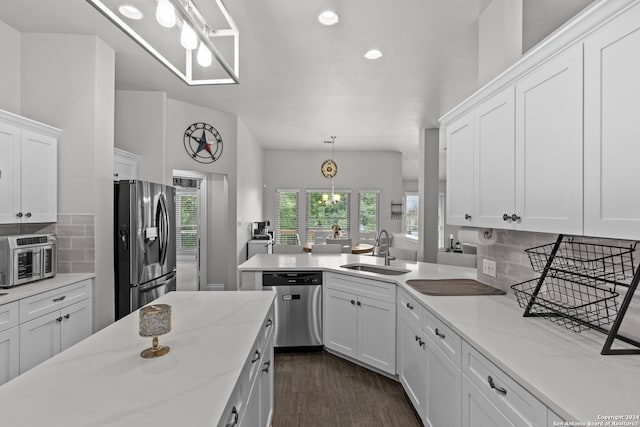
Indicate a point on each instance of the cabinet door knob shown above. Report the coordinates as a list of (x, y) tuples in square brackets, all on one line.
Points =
[(266, 366), (352, 302), (19, 214), (515, 218), (439, 334), (28, 215), (358, 303), (234, 418), (256, 356), (269, 323), (506, 217), (467, 216), (500, 390), (59, 319), (66, 316)]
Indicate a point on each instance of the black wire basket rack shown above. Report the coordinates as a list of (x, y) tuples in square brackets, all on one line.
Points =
[(578, 287)]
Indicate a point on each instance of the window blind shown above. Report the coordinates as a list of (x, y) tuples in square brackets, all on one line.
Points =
[(368, 215), (186, 220), (440, 220), (322, 216), (411, 214), (286, 231)]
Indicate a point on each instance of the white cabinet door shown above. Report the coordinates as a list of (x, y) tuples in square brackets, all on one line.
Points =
[(9, 354), (377, 334), (75, 324), (9, 174), (460, 171), (39, 176), (412, 363), (266, 384), (251, 414), (39, 340), (495, 160), (549, 146), (477, 410), (612, 148), (340, 322), (125, 165), (444, 389)]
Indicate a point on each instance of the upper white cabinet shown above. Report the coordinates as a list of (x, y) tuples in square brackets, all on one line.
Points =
[(28, 170), (125, 165), (612, 137), (460, 171)]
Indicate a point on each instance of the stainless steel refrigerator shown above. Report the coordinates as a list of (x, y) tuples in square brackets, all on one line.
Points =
[(145, 243)]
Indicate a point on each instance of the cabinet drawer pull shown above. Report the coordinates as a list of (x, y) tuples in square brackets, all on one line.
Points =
[(500, 390), (506, 217), (234, 418), (269, 323), (409, 306), (267, 364), (439, 334), (256, 356), (467, 216), (515, 218), (59, 298), (59, 319)]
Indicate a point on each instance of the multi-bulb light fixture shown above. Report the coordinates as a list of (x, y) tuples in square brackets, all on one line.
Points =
[(334, 198), (195, 35)]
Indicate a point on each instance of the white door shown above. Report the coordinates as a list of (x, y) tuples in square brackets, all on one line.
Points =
[(377, 334), (340, 322), (39, 177), (39, 340), (9, 354), (611, 140), (477, 409), (444, 389), (9, 174), (549, 146), (495, 160), (460, 172), (412, 363), (75, 324)]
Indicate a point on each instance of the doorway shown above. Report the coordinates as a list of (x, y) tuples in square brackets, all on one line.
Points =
[(191, 235)]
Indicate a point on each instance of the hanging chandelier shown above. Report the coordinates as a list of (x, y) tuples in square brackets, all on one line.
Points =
[(329, 170)]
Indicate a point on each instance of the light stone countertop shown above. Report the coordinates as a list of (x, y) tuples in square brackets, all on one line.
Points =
[(59, 280), (103, 381), (561, 368)]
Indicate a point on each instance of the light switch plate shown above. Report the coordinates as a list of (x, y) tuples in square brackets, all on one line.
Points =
[(489, 267)]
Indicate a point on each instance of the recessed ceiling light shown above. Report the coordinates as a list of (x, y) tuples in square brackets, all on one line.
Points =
[(373, 54), (130, 12), (328, 17)]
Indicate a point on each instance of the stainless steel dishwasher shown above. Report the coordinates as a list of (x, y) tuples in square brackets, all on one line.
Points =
[(298, 307)]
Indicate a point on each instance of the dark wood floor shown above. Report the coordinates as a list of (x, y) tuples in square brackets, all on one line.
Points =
[(320, 389)]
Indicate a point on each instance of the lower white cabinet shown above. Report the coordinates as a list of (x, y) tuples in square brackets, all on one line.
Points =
[(444, 389), (359, 326), (48, 335), (9, 354), (477, 409)]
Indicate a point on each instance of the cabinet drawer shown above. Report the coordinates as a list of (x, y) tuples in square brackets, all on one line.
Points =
[(517, 404), (443, 336), (9, 315), (381, 291), (268, 326), (409, 308), (46, 302)]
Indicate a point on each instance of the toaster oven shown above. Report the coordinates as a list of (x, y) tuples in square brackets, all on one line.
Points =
[(27, 258)]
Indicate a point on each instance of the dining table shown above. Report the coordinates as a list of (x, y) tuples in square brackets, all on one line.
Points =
[(356, 248)]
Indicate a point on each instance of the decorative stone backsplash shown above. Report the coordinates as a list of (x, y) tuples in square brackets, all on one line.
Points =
[(76, 240)]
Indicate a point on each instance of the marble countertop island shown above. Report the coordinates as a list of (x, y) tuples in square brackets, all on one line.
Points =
[(103, 381)]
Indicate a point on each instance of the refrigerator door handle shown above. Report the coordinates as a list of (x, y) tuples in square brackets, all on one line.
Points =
[(163, 225), (157, 283)]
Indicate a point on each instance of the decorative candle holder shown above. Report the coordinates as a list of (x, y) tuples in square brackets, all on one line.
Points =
[(155, 320)]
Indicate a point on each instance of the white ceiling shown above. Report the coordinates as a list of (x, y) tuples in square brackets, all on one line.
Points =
[(301, 82)]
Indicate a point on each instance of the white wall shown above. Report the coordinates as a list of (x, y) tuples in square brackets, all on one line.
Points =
[(542, 17), (499, 38), (10, 46), (356, 171), (68, 81), (428, 186), (250, 187)]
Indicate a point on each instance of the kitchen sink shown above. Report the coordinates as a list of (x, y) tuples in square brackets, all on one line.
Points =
[(378, 269)]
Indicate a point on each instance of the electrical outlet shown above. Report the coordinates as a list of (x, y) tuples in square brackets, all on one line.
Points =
[(489, 267)]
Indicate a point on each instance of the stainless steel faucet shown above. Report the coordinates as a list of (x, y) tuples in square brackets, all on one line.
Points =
[(387, 259)]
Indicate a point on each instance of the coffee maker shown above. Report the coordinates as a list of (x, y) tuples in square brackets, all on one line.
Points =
[(260, 230)]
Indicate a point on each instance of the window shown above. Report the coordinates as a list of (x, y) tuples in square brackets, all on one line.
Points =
[(369, 215), (187, 220), (440, 220), (322, 216), (286, 232), (411, 214)]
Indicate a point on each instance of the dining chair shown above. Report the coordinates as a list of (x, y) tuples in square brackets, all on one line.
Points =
[(329, 248), (405, 254), (287, 249), (345, 243)]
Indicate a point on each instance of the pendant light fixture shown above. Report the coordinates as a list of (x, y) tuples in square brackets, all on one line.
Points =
[(329, 170), (188, 38), (204, 56), (166, 14)]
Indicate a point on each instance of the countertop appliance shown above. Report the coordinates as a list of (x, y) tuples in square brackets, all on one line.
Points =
[(298, 307), (260, 230), (145, 243), (27, 258)]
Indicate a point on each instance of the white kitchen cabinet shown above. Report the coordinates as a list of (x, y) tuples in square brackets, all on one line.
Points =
[(266, 385), (444, 382), (358, 325), (549, 146), (28, 170), (612, 151), (477, 409), (495, 160), (125, 165), (460, 172), (412, 361), (9, 354)]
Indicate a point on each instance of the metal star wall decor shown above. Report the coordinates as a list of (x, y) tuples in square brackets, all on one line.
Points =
[(203, 143)]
